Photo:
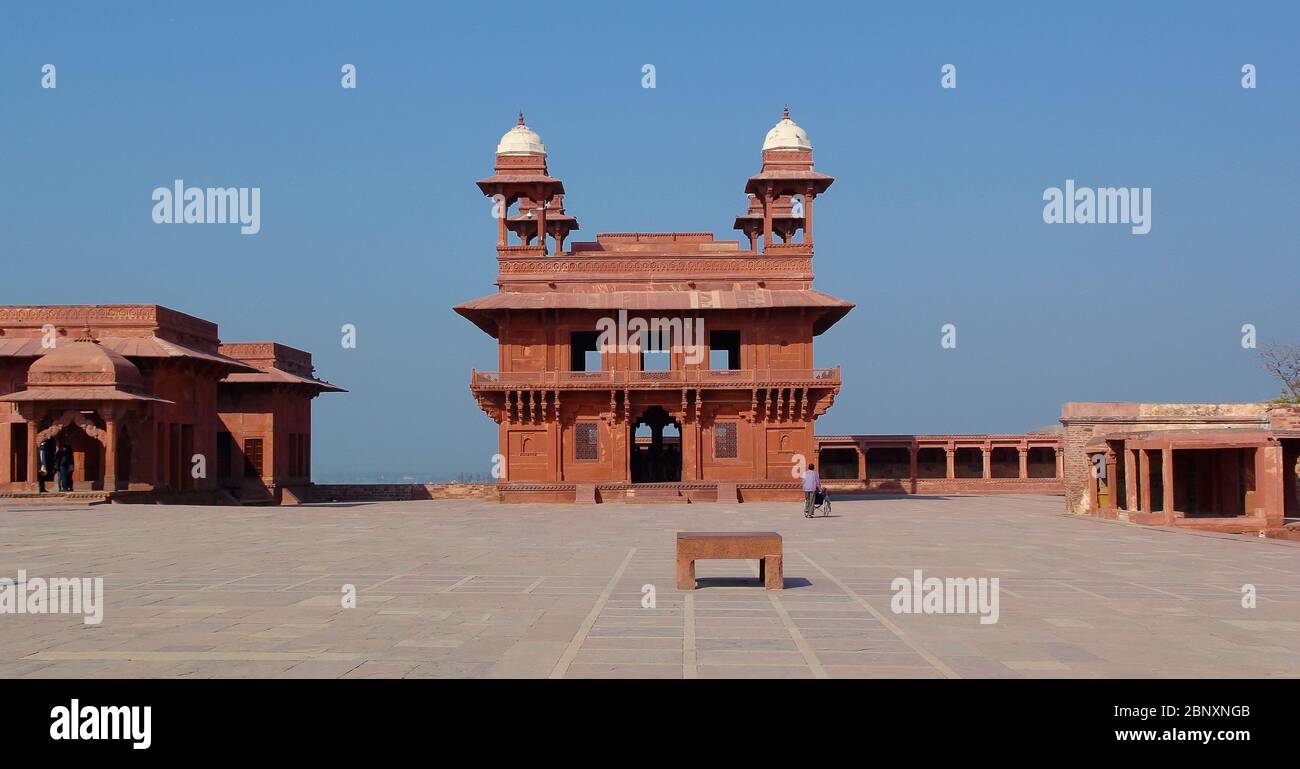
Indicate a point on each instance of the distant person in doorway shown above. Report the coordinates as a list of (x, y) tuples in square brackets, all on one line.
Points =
[(64, 466), (45, 466), (812, 483)]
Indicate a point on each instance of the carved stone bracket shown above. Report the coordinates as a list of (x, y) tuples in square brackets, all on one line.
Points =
[(68, 418)]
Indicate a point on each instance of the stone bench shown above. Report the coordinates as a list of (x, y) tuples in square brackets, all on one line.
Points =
[(763, 545)]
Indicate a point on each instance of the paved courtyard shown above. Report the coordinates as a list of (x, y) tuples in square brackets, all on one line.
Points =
[(478, 589)]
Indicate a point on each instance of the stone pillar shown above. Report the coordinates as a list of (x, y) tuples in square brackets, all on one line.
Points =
[(1167, 482), (1094, 484), (33, 453), (1112, 477), (912, 451), (951, 453), (807, 216), (1056, 452), (1268, 483), (987, 451), (1130, 480), (767, 215), (1144, 481), (698, 457), (1024, 460), (6, 452), (862, 462), (110, 450), (541, 224)]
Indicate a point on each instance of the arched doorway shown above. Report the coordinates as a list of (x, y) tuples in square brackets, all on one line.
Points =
[(81, 431), (656, 447)]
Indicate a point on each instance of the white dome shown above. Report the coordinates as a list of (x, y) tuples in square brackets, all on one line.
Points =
[(787, 135), (521, 140)]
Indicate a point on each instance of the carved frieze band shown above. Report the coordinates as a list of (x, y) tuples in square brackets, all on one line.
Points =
[(687, 265)]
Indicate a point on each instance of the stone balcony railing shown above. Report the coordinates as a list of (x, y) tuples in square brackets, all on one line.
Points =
[(788, 249), (520, 251), (667, 380)]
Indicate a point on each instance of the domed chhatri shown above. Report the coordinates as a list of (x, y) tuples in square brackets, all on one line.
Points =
[(84, 363), (787, 135), (521, 140)]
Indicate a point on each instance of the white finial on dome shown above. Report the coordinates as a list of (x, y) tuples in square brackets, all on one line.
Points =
[(787, 135), (521, 140)]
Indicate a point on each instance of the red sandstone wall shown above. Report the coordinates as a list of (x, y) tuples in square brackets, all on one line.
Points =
[(1284, 416), (13, 377), (271, 414), (194, 396)]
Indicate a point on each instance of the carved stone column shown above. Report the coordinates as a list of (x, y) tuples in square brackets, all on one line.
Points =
[(1130, 480), (767, 216), (1144, 481), (1167, 483), (111, 429), (33, 454), (807, 215), (912, 452)]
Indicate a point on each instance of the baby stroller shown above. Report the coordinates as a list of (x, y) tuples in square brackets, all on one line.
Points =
[(821, 502)]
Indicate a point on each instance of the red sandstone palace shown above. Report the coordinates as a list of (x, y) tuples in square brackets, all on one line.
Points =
[(581, 419), (153, 405), (568, 410)]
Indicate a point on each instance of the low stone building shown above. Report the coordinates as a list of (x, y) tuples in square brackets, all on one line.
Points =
[(150, 405), (1220, 466)]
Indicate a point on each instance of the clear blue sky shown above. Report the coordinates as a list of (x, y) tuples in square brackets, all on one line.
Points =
[(370, 215)]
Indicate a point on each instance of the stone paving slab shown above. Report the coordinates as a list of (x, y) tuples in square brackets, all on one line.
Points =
[(473, 589)]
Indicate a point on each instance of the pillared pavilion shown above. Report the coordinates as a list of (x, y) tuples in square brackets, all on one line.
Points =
[(152, 406), (723, 414)]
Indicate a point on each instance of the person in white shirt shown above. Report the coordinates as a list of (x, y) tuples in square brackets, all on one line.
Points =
[(812, 483)]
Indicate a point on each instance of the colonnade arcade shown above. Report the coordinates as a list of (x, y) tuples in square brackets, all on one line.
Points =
[(885, 458)]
